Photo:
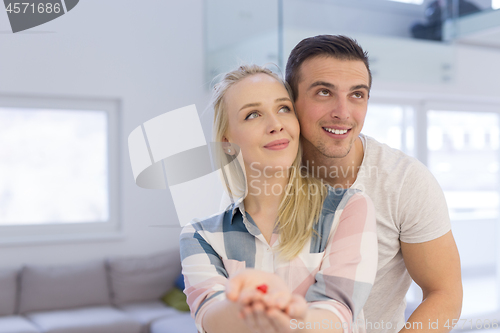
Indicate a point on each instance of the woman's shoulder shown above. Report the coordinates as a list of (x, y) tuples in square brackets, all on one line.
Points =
[(212, 224)]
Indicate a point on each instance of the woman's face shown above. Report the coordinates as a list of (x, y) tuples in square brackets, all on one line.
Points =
[(262, 123)]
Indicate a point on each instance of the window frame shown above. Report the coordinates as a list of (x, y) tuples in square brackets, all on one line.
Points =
[(83, 231), (384, 5), (422, 106), (484, 107), (417, 105)]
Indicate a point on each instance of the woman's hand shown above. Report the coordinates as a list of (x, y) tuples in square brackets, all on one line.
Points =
[(263, 318), (242, 287), (268, 312)]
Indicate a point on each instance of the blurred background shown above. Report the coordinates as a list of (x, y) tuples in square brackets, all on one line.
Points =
[(72, 90)]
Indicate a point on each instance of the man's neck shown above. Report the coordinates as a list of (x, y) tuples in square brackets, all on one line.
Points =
[(337, 172)]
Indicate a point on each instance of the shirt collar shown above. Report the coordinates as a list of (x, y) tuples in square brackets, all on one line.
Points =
[(237, 206), (247, 219)]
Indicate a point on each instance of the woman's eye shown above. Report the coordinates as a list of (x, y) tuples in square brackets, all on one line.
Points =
[(252, 115), (324, 92), (284, 109)]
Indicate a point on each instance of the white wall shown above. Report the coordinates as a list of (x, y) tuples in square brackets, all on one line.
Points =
[(147, 54), (354, 16), (475, 79), (150, 55)]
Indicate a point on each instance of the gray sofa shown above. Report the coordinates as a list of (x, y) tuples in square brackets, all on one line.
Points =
[(116, 295)]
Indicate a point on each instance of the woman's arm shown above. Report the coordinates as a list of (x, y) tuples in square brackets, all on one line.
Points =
[(349, 265), (344, 280), (205, 280)]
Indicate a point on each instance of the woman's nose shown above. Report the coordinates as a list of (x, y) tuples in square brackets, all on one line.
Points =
[(276, 125)]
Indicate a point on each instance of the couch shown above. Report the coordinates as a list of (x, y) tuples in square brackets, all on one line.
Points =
[(114, 295)]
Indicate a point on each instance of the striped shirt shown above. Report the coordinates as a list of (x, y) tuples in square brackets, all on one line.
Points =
[(334, 271)]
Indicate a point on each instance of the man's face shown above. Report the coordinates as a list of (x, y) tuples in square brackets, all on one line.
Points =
[(331, 104)]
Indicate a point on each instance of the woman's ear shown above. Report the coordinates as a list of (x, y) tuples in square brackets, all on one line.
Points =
[(227, 147)]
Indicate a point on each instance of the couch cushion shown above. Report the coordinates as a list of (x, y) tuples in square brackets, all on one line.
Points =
[(88, 320), (16, 324), (46, 288), (142, 279), (182, 322), (148, 312), (8, 291)]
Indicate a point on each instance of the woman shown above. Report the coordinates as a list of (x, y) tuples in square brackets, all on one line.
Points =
[(289, 255)]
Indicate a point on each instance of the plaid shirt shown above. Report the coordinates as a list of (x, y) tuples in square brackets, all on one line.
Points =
[(334, 271)]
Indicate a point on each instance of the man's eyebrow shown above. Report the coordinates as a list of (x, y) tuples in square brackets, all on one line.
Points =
[(333, 87), (360, 86), (322, 83)]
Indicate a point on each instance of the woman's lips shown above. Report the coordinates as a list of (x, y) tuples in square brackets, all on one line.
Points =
[(277, 144)]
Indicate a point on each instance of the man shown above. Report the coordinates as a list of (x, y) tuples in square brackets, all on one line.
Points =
[(331, 81)]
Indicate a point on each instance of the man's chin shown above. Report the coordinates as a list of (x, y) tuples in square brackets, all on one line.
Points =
[(337, 152)]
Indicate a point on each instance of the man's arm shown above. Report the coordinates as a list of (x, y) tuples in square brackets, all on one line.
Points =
[(435, 267)]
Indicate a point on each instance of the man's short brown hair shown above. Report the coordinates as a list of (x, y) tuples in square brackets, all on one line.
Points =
[(336, 46)]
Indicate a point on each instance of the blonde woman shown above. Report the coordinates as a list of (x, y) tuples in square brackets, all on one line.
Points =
[(293, 254)]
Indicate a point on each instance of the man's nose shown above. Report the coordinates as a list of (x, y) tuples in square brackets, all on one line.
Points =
[(340, 109)]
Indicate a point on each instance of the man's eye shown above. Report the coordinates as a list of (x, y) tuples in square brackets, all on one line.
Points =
[(324, 92), (357, 95), (252, 115), (284, 109)]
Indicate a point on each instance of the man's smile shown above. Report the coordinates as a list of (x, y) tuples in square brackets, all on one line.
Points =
[(337, 132)]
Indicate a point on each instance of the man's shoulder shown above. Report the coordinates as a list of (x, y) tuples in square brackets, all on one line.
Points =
[(381, 155), (385, 167), (374, 149)]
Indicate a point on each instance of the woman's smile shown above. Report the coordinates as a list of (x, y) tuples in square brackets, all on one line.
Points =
[(278, 144)]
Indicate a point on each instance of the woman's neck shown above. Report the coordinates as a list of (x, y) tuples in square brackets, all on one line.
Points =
[(264, 194)]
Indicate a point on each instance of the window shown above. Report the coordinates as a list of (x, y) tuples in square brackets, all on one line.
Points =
[(59, 161), (463, 155), (460, 144), (391, 124), (414, 2)]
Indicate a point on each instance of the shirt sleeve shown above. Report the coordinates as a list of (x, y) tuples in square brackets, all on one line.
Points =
[(204, 273), (349, 264), (422, 209)]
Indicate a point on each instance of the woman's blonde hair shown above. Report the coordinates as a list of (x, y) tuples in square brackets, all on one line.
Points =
[(302, 200)]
